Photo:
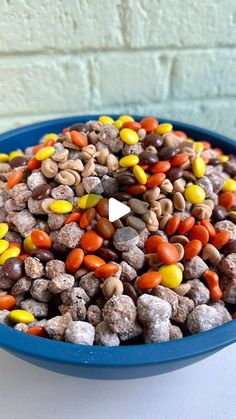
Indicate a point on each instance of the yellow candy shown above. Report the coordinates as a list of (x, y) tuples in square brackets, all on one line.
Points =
[(104, 119), (129, 136), (88, 201), (232, 212), (190, 140), (9, 253), (140, 175), (21, 316), (29, 245), (223, 159), (51, 136), (61, 207), (164, 128), (199, 146), (199, 167), (3, 229), (126, 118), (171, 276), (117, 124), (195, 194), (4, 157), (129, 161), (229, 186), (44, 153), (4, 244), (14, 154)]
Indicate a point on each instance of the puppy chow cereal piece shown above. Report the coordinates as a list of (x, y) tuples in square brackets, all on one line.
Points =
[(20, 193), (143, 235), (21, 286), (228, 265), (24, 221), (168, 295), (203, 318), (135, 257), (37, 308), (109, 136), (152, 309), (198, 292), (3, 197), (226, 225), (125, 238), (56, 221), (195, 268), (128, 273), (35, 179), (135, 331), (205, 184), (60, 283), (39, 290), (21, 327), (185, 306), (70, 235), (63, 192), (57, 326), (74, 295), (77, 311), (54, 267), (175, 332), (80, 332), (33, 267), (4, 316), (35, 207), (90, 284), (110, 185), (220, 307), (120, 313), (216, 181), (228, 286), (94, 315), (12, 236), (132, 149), (157, 332), (105, 336), (92, 184)]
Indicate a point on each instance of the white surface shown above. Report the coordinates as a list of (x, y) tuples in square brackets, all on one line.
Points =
[(117, 209), (203, 391)]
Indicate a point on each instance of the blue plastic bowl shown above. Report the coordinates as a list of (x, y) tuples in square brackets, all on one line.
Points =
[(112, 362)]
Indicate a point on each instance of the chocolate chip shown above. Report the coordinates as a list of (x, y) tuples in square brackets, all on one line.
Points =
[(18, 162), (230, 247), (122, 196), (126, 180), (130, 291), (79, 127), (107, 254), (219, 213), (41, 192), (154, 140), (174, 173), (214, 162), (232, 217), (146, 157), (167, 153), (43, 255), (13, 268)]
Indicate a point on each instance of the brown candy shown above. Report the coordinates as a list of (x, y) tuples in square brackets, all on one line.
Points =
[(18, 162), (107, 254), (13, 268), (43, 255), (41, 192)]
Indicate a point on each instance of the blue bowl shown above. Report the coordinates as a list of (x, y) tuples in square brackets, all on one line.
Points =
[(123, 362)]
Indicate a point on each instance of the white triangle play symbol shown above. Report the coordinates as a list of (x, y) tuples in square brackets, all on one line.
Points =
[(116, 209)]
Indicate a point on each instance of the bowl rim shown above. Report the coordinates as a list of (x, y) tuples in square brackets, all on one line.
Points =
[(121, 356)]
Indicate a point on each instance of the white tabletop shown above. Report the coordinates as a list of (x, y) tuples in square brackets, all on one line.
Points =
[(206, 390)]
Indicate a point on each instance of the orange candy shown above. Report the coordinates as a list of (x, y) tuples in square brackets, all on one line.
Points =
[(149, 124), (87, 217), (74, 260), (73, 218), (149, 280), (33, 164), (93, 262), (186, 225), (15, 178), (161, 167), (179, 159), (155, 180), (172, 225), (37, 331), (14, 244), (41, 239), (181, 134), (206, 145), (7, 302), (227, 199), (105, 228), (136, 189), (91, 241), (102, 207), (152, 243), (36, 148), (192, 249), (221, 239), (106, 270), (79, 139), (168, 253), (209, 227), (135, 126), (199, 232), (212, 280)]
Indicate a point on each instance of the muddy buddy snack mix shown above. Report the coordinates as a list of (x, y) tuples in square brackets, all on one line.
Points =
[(117, 232)]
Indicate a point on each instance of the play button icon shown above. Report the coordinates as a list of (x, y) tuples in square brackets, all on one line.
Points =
[(116, 209)]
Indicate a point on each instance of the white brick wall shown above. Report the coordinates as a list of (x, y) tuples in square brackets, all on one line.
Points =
[(170, 58)]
